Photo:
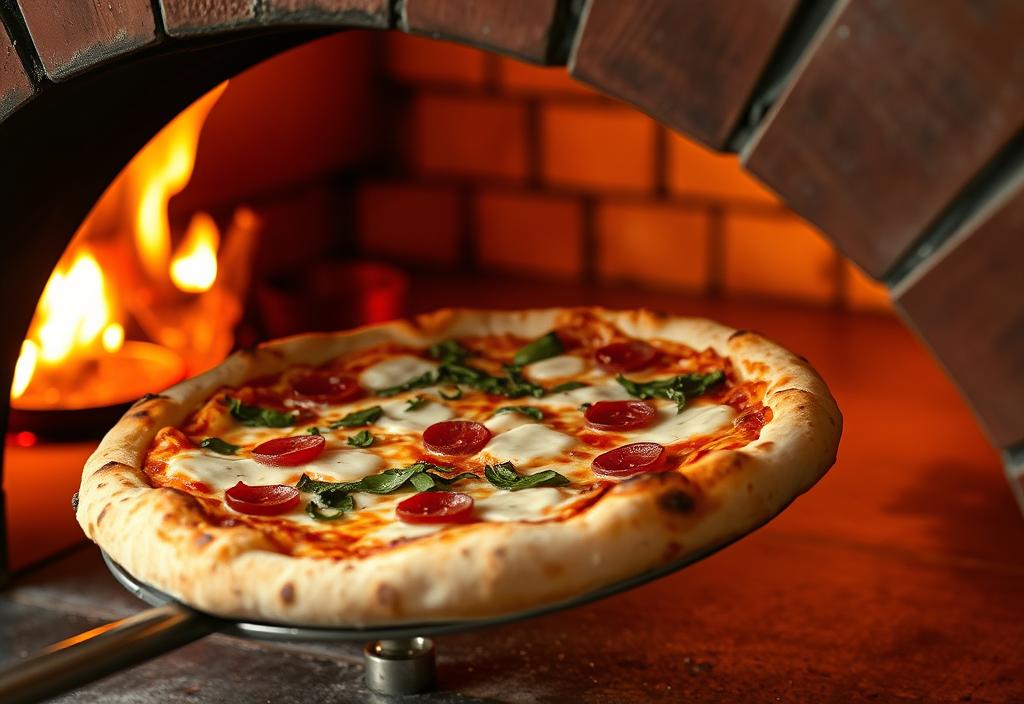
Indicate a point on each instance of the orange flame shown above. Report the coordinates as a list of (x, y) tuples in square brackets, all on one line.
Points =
[(159, 172)]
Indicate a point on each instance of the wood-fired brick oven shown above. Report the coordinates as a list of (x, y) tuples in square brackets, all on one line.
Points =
[(896, 128)]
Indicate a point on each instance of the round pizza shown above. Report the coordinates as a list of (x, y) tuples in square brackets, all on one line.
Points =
[(463, 465)]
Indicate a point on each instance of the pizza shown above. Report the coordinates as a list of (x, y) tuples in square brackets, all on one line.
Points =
[(462, 465)]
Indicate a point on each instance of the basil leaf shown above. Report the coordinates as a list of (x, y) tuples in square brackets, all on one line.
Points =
[(543, 347), (676, 388), (446, 481), (422, 381), (313, 431), (254, 416), (567, 386), (333, 512), (422, 482), (531, 411), (504, 476), (584, 406), (389, 480), (501, 475), (364, 438), (448, 351), (357, 418), (416, 403), (316, 486), (457, 394), (219, 446)]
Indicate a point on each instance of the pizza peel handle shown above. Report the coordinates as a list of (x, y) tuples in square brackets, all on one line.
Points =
[(102, 651)]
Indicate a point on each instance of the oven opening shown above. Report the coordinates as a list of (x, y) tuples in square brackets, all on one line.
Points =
[(362, 177)]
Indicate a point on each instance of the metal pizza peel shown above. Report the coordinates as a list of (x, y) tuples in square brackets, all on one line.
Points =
[(398, 659)]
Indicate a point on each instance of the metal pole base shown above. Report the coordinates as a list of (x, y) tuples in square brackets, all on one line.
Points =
[(404, 666)]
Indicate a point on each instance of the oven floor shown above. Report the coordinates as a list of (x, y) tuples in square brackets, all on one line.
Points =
[(900, 577)]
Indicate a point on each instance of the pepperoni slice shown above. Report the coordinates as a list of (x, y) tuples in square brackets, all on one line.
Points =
[(620, 415), (456, 437), (631, 459), (289, 452), (630, 356), (269, 500), (436, 507), (326, 387)]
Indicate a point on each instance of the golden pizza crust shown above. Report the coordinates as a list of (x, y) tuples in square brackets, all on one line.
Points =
[(477, 570)]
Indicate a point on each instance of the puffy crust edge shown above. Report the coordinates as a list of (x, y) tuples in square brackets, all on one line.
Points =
[(475, 571)]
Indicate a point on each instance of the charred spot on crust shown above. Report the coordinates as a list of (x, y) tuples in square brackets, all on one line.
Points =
[(676, 502), (99, 518), (148, 397), (386, 594), (203, 539), (74, 502), (740, 333), (288, 593), (141, 414)]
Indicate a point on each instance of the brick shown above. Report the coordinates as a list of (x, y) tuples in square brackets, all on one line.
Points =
[(692, 64), (517, 27), (15, 85), (468, 136), (412, 223), (777, 257), (603, 148), (415, 59), (72, 35), (655, 245), (348, 13), (189, 17), (696, 170), (531, 234), (861, 292), (517, 77)]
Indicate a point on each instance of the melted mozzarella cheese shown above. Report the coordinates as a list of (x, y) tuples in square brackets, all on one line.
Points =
[(672, 427), (344, 465), (528, 442), (585, 394), (398, 418), (504, 422), (399, 530), (394, 371), (221, 473), (559, 367), (526, 505)]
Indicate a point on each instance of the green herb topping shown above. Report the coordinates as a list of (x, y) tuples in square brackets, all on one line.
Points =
[(219, 446), (313, 431), (567, 386), (542, 348), (448, 351), (364, 438), (453, 396), (357, 418), (504, 476), (531, 411), (677, 388), (416, 403), (254, 416)]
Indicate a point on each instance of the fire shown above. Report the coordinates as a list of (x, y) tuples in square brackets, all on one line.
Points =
[(159, 172), (168, 295), (194, 268)]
